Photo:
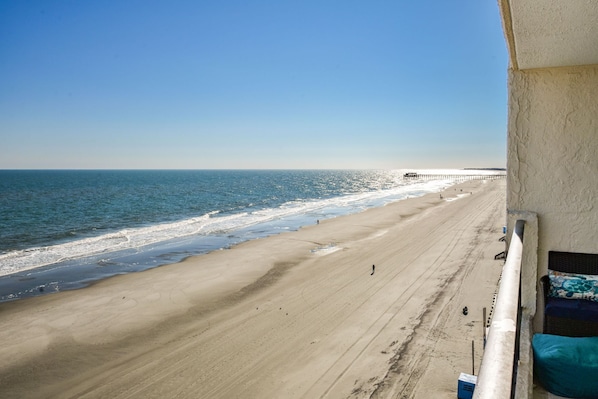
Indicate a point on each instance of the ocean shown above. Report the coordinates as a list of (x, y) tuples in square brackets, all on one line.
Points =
[(63, 229)]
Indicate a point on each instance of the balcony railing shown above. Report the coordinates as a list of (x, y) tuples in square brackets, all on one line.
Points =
[(498, 371)]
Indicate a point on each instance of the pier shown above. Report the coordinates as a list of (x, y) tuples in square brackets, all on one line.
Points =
[(456, 176)]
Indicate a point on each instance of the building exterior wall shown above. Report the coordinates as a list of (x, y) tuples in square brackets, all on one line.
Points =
[(553, 159)]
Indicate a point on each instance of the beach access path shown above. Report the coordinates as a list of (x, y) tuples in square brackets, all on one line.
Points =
[(297, 315)]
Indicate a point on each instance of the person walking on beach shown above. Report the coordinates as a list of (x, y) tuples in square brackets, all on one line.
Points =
[(373, 270)]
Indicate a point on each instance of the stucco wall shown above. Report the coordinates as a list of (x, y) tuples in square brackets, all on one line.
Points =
[(553, 156)]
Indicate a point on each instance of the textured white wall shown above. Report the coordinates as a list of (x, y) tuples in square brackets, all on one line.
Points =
[(553, 157), (553, 33)]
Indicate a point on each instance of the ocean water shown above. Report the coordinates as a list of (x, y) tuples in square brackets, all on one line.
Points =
[(63, 229)]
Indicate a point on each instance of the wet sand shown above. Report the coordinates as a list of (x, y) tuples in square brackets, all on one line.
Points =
[(298, 315)]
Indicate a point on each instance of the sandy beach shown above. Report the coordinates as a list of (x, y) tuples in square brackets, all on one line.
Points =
[(297, 315)]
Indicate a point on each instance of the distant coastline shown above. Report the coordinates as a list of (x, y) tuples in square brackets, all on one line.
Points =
[(492, 169)]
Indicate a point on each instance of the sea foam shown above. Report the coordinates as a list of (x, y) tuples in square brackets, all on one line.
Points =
[(288, 216)]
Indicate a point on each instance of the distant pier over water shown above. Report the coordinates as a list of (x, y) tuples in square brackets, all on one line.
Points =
[(465, 175)]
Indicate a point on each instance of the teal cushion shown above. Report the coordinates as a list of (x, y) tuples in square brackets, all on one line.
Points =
[(573, 286), (567, 366)]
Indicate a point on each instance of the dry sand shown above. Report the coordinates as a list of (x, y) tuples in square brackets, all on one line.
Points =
[(298, 315)]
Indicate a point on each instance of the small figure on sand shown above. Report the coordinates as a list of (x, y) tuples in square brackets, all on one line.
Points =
[(373, 270)]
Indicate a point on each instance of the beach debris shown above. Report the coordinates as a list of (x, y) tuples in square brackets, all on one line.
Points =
[(465, 311), (373, 270)]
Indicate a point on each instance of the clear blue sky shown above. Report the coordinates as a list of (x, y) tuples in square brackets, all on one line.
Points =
[(252, 84)]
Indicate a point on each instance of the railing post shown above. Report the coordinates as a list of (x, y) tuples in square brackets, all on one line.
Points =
[(497, 371)]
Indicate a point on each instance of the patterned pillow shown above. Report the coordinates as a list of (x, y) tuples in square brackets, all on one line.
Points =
[(573, 286)]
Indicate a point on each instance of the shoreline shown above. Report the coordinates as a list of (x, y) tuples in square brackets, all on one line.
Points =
[(75, 273), (315, 308)]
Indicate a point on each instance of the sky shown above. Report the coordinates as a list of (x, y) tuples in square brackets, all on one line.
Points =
[(227, 84)]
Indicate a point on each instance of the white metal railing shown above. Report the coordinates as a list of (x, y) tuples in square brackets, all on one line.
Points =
[(498, 369)]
